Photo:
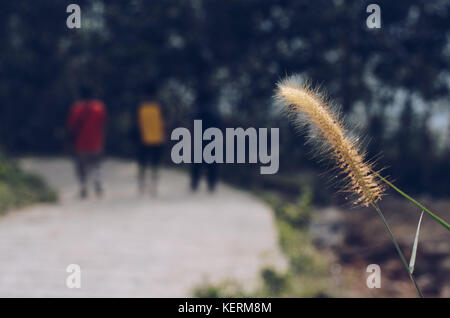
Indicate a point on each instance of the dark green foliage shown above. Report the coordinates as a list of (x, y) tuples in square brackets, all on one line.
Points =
[(298, 214), (274, 282), (18, 188)]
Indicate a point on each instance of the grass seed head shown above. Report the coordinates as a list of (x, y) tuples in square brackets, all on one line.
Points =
[(313, 111)]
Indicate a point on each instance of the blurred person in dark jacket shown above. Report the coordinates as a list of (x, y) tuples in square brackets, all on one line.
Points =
[(206, 112)]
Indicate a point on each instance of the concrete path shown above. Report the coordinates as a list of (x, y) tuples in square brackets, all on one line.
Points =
[(133, 246)]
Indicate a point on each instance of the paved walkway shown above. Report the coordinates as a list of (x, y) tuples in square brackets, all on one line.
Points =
[(133, 246)]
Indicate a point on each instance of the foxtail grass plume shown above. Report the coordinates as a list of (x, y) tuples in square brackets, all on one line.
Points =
[(313, 111)]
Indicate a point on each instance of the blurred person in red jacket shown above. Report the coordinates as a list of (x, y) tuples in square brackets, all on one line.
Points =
[(86, 127)]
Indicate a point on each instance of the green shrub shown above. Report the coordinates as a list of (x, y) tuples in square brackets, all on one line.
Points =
[(222, 290), (18, 188)]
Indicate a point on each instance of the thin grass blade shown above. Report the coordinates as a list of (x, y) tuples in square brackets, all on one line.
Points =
[(412, 260), (434, 216), (399, 251)]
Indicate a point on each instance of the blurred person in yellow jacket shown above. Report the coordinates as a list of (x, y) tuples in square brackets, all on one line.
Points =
[(151, 135)]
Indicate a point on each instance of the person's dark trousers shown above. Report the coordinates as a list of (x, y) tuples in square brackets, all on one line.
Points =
[(86, 165), (195, 176), (212, 172), (149, 155), (211, 175)]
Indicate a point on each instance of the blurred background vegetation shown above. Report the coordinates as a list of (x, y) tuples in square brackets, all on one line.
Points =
[(392, 82), (18, 188)]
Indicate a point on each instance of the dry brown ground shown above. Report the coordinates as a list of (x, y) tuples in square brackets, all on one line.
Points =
[(360, 239)]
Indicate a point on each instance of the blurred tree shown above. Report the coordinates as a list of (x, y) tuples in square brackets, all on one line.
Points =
[(235, 50)]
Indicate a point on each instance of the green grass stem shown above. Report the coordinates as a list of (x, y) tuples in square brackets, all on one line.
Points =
[(397, 247), (433, 215)]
